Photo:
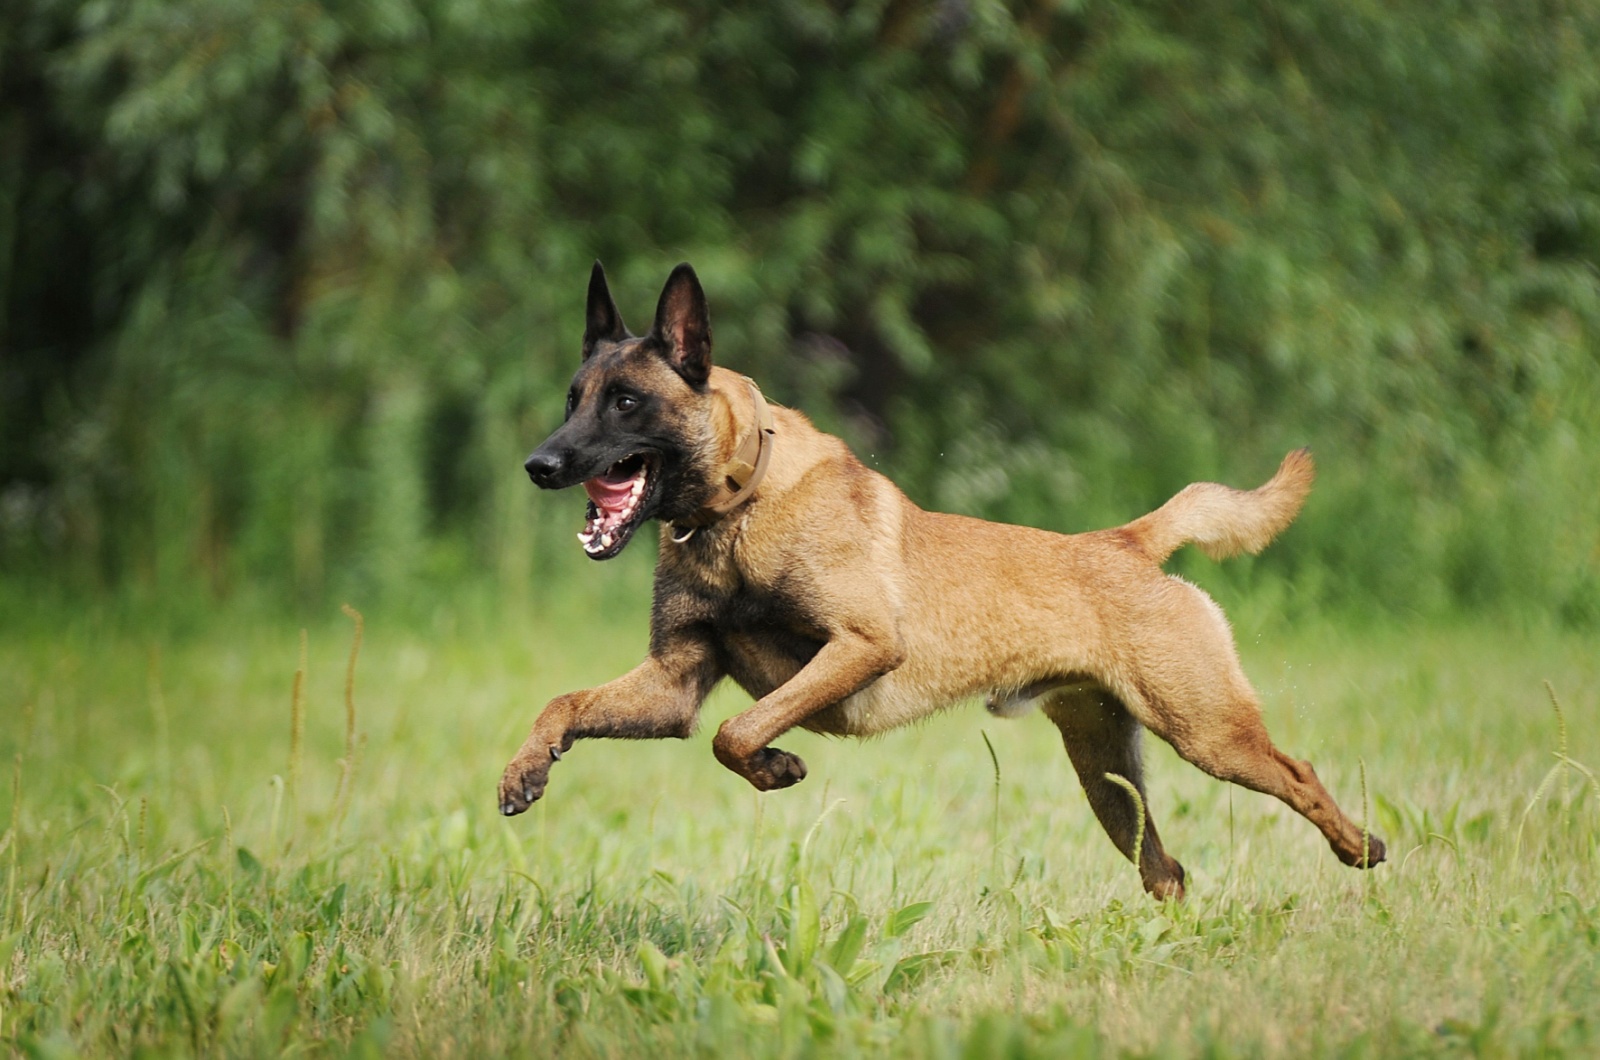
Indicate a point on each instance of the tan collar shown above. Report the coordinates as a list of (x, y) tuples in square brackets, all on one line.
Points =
[(741, 474)]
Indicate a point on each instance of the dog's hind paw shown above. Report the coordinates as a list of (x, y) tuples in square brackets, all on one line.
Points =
[(770, 769)]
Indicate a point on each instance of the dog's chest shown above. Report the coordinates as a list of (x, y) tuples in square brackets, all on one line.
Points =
[(761, 622), (764, 637)]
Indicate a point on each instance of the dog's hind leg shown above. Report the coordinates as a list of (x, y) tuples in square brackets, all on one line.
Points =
[(1102, 738), (1207, 710), (1232, 744)]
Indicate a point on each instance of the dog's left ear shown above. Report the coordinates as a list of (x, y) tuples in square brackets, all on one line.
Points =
[(683, 326)]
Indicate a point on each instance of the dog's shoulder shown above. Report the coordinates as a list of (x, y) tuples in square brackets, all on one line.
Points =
[(826, 515), (817, 469)]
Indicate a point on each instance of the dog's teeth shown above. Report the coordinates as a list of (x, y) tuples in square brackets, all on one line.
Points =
[(605, 540)]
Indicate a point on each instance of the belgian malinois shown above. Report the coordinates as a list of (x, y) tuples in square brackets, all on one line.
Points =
[(844, 608)]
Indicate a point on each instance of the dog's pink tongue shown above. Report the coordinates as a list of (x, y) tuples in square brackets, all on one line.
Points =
[(609, 492)]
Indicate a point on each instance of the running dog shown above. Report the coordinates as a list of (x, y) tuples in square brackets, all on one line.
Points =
[(842, 607)]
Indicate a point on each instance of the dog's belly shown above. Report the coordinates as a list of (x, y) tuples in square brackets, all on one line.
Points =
[(1015, 702), (1009, 649), (893, 701), (887, 703)]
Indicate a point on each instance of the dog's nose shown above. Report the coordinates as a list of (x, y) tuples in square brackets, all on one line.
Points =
[(543, 466)]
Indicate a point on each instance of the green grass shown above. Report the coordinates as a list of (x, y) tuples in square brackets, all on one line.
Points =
[(173, 883)]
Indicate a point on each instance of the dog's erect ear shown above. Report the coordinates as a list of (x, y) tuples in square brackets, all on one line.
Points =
[(683, 326), (601, 319)]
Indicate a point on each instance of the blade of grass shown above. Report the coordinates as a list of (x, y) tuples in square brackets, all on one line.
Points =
[(1138, 805), (347, 764)]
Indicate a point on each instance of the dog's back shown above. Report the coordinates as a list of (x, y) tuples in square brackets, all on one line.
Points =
[(1007, 612)]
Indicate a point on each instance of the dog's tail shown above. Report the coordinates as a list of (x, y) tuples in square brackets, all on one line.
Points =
[(1224, 521)]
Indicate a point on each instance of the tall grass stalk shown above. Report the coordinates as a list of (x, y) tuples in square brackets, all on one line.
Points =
[(158, 714), (805, 844), (1564, 762), (350, 681), (297, 722), (14, 840), (1366, 832), (994, 828), (1138, 806), (347, 764), (229, 863)]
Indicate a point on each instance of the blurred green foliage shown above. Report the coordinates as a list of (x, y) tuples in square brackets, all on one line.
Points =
[(288, 290)]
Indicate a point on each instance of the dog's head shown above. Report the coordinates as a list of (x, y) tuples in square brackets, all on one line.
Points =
[(638, 429)]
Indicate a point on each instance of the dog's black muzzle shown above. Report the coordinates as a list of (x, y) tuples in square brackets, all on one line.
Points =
[(571, 455), (547, 467), (565, 458)]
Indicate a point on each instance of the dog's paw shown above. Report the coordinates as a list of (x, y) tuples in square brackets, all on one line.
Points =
[(770, 769), (1165, 882), (524, 780), (1376, 854)]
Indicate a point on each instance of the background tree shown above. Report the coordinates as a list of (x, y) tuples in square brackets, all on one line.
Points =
[(286, 291)]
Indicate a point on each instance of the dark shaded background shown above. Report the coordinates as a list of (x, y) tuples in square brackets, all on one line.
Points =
[(288, 290)]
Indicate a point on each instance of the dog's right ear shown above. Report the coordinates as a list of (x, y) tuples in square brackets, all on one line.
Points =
[(601, 319)]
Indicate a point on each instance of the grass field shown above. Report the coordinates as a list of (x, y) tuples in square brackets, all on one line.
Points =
[(179, 877)]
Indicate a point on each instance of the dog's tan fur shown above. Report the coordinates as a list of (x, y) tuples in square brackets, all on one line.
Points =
[(842, 607)]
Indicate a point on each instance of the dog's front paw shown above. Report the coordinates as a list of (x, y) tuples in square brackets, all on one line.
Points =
[(770, 769), (1358, 856), (523, 782), (1375, 854)]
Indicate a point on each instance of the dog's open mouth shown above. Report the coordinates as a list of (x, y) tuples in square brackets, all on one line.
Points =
[(616, 505)]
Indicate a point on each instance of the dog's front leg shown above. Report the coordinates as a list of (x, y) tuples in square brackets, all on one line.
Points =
[(659, 698), (847, 663)]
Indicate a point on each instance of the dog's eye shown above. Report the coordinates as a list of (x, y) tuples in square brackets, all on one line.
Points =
[(625, 403), (572, 401)]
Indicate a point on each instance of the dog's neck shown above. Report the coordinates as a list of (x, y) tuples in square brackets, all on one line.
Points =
[(742, 473)]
